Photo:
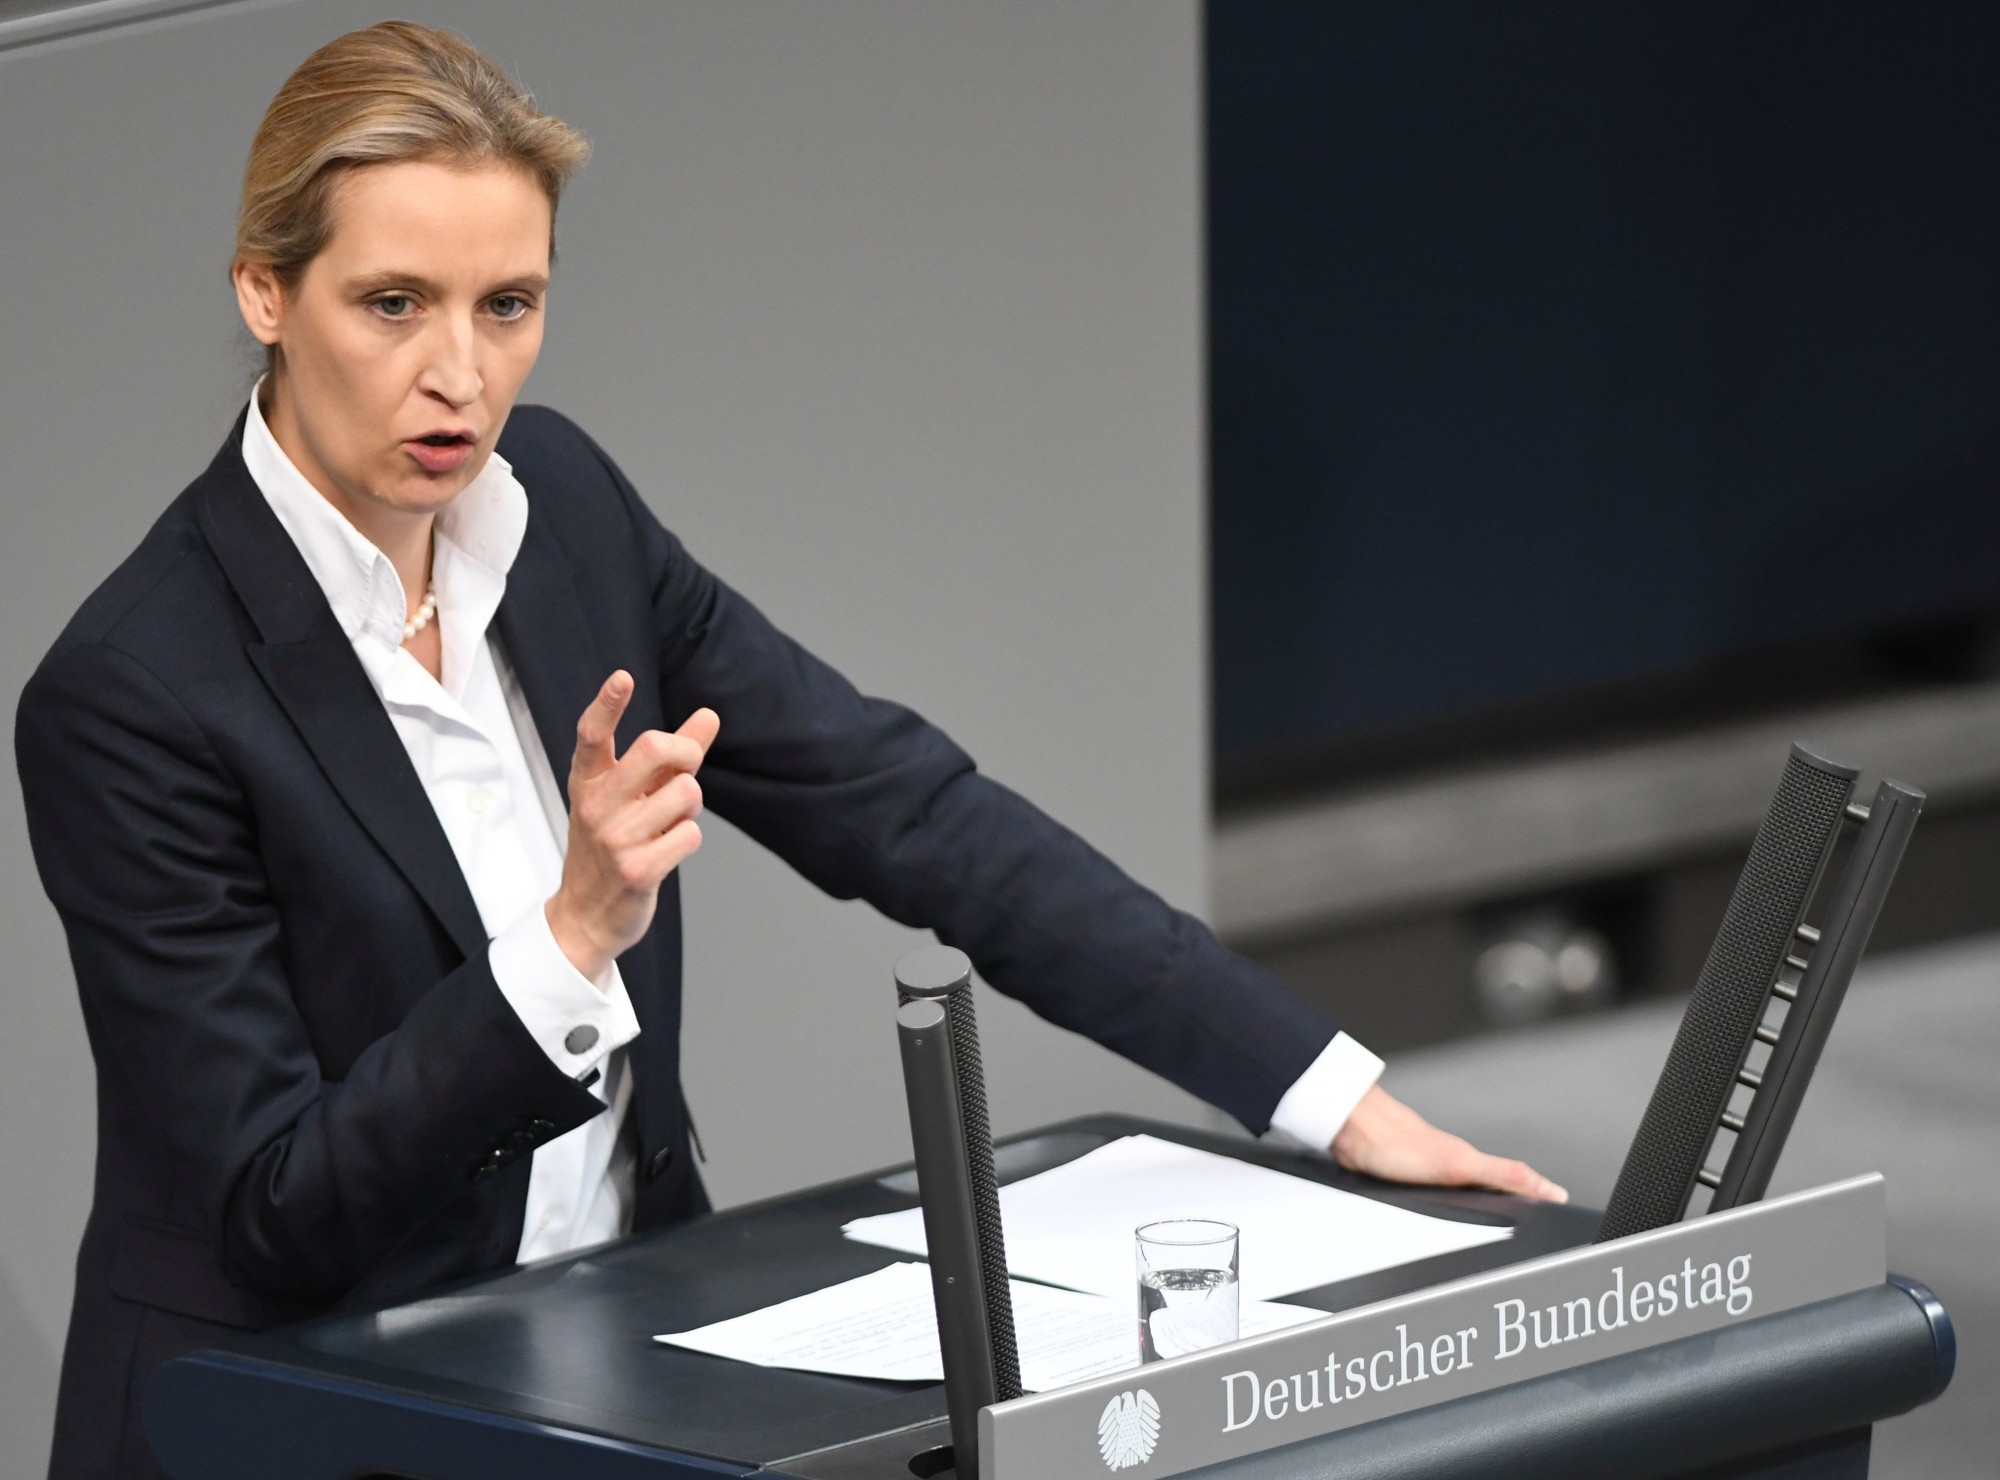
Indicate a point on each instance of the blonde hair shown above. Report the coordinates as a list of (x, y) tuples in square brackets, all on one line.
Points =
[(392, 93)]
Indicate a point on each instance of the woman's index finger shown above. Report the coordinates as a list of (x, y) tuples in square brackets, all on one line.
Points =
[(597, 727)]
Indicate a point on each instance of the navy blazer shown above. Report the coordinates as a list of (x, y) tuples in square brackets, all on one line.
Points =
[(310, 1091)]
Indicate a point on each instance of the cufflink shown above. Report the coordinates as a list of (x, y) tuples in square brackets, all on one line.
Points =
[(581, 1039)]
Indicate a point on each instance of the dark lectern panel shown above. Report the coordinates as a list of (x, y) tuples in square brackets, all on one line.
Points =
[(570, 1342)]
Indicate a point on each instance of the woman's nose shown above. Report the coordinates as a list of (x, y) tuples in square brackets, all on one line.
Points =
[(452, 371)]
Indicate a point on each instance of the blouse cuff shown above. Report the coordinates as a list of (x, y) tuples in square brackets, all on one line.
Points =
[(1316, 1106), (576, 1022)]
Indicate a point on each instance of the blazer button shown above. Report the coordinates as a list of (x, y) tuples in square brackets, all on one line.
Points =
[(581, 1039), (659, 1163)]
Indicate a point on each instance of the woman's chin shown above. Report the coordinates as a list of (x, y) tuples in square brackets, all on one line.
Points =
[(419, 488)]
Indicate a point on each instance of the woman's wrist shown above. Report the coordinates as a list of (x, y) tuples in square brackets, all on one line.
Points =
[(575, 941)]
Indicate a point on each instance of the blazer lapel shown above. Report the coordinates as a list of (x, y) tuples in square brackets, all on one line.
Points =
[(558, 660), (322, 687), (550, 644), (310, 668)]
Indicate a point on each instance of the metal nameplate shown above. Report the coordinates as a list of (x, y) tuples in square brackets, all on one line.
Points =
[(1449, 1341)]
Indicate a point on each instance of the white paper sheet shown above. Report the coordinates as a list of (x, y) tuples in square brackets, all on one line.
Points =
[(884, 1325), (1073, 1225)]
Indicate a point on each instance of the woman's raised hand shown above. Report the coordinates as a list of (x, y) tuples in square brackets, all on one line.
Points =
[(631, 823)]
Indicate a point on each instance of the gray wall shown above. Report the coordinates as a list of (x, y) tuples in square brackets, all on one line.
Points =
[(891, 308)]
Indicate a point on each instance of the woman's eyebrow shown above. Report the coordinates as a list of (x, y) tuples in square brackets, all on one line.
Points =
[(377, 282)]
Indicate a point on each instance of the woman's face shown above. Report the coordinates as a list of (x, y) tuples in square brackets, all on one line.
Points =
[(408, 337)]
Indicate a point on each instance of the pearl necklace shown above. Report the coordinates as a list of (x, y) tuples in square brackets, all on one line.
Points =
[(425, 611)]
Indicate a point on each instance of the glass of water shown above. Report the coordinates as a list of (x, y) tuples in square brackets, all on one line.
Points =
[(1187, 1287)]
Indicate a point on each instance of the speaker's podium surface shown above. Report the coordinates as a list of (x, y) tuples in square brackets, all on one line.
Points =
[(551, 1370), (1763, 1338)]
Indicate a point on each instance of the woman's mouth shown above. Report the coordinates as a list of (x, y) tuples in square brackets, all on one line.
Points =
[(440, 452)]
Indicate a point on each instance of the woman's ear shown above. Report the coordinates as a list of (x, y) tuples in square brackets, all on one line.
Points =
[(261, 298)]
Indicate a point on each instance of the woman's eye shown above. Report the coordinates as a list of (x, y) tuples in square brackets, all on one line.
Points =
[(395, 306), (509, 306)]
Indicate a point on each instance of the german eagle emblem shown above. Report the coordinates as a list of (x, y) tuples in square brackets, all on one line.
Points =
[(1128, 1429)]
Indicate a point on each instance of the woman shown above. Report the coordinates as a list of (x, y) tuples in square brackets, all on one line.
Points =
[(361, 785)]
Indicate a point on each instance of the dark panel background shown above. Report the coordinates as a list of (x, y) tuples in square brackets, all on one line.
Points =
[(1577, 364)]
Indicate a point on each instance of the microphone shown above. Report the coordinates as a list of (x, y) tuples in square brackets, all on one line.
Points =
[(946, 1087), (1771, 985)]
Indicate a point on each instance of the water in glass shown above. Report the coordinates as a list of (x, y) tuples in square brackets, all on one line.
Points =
[(1185, 1310)]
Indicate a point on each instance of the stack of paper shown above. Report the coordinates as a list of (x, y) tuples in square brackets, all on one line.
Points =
[(884, 1325), (1073, 1225)]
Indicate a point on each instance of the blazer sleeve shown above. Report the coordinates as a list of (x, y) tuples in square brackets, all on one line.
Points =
[(149, 851), (867, 800)]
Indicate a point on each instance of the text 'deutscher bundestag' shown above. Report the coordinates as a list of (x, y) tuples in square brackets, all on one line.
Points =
[(1449, 1341)]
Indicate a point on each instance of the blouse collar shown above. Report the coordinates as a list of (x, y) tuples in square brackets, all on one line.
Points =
[(477, 537)]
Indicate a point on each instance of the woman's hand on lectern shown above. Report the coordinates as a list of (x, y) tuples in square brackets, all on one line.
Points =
[(1386, 1138), (631, 823)]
